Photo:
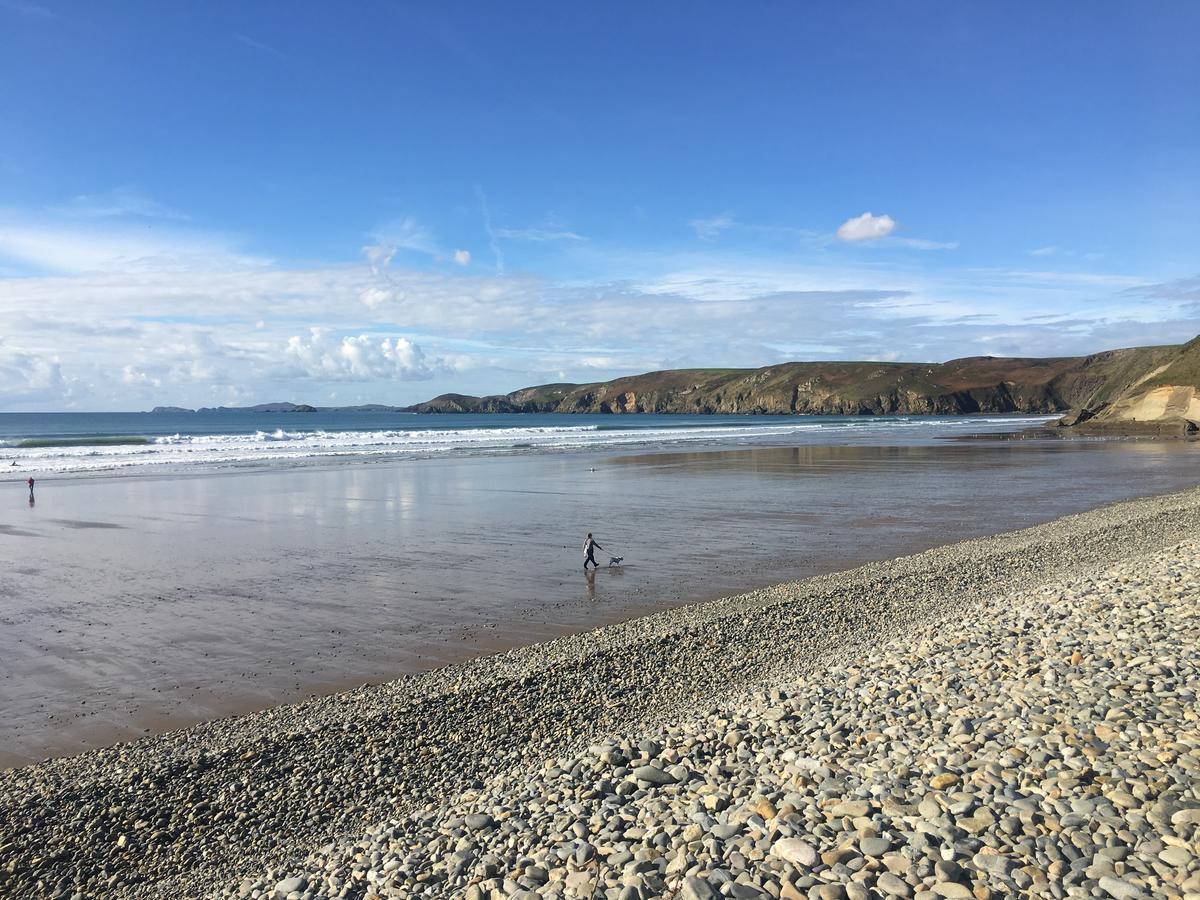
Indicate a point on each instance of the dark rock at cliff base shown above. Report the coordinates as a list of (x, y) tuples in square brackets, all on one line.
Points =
[(1077, 416)]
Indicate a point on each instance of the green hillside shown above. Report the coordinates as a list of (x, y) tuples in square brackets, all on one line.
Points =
[(970, 385)]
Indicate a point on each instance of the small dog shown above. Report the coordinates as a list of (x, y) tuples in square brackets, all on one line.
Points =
[(615, 561)]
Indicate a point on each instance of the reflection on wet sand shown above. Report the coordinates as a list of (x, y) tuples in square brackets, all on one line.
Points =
[(134, 605)]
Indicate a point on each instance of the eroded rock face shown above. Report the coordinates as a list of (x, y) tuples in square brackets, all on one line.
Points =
[(1169, 410), (1162, 400), (1158, 404)]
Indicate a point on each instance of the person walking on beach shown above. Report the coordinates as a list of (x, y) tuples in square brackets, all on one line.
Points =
[(30, 487), (589, 552)]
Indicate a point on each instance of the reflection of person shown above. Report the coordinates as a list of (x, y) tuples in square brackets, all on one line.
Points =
[(591, 582), (589, 552)]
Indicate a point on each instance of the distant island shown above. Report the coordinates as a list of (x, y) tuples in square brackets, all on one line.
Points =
[(285, 408), (1134, 390)]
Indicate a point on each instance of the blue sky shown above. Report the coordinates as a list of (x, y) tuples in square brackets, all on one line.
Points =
[(374, 202)]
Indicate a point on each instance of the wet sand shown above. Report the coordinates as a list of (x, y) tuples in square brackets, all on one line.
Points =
[(131, 606)]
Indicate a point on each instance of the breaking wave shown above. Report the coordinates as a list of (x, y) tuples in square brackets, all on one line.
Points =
[(79, 454)]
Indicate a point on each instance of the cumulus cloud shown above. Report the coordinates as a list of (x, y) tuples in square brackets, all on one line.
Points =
[(33, 379), (374, 297), (360, 357), (866, 227), (710, 228), (135, 377), (462, 257)]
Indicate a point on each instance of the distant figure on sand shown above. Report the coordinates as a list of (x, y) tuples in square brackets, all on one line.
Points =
[(589, 552), (31, 490)]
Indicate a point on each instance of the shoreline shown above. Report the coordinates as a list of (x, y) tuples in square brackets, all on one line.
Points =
[(230, 797), (255, 456), (262, 608)]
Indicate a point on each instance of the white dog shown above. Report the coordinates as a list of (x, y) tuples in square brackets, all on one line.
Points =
[(615, 561)]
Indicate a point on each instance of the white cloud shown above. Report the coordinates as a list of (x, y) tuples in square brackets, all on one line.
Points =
[(259, 45), (493, 242), (81, 249), (379, 256), (406, 234), (922, 244), (866, 227), (542, 235), (26, 8), (1054, 250), (119, 202), (1101, 279), (462, 257), (710, 228), (32, 379), (361, 357), (374, 297), (223, 329), (133, 376)]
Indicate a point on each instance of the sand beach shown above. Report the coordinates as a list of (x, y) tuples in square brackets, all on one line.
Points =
[(1013, 714)]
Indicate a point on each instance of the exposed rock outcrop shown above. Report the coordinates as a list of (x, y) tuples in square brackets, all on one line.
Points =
[(1163, 400)]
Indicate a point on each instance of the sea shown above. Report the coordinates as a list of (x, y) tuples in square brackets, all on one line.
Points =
[(172, 568), (113, 443)]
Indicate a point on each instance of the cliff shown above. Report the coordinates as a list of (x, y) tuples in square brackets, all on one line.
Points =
[(980, 384), (1162, 399)]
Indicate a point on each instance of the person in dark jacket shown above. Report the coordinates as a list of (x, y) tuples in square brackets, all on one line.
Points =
[(589, 552)]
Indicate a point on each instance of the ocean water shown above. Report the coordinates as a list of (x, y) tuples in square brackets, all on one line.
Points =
[(253, 560), (78, 443)]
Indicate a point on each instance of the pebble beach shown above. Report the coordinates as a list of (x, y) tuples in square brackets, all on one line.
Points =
[(1010, 716)]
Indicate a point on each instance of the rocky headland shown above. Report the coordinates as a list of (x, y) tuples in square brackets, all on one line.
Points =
[(1012, 716), (1163, 401), (1151, 390)]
